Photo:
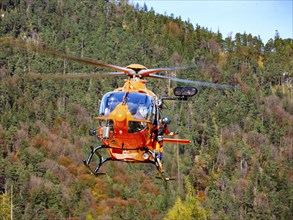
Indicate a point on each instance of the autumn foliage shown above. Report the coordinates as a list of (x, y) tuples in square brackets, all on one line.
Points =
[(239, 162)]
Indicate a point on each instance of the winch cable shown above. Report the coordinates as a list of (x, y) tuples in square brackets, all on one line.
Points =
[(178, 156)]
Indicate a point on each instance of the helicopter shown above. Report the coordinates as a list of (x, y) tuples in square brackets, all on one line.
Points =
[(129, 115)]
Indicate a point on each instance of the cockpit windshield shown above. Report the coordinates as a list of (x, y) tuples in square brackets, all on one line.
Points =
[(141, 106)]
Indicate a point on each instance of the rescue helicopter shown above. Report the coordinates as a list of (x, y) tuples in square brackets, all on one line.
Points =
[(128, 116)]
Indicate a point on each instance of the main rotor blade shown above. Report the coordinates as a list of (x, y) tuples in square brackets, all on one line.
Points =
[(147, 72), (31, 46), (75, 75), (198, 83)]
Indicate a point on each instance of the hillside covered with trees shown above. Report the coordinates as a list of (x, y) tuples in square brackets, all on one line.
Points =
[(239, 164)]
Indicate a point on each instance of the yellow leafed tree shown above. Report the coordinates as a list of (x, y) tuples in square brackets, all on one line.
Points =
[(189, 209), (4, 207)]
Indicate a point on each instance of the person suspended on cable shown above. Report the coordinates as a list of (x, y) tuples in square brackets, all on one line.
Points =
[(160, 130)]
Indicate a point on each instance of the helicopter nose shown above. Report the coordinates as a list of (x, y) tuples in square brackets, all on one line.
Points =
[(121, 116), (121, 121)]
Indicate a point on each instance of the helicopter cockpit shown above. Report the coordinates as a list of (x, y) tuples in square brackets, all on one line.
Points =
[(141, 106)]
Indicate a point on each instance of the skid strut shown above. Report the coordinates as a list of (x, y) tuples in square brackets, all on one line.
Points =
[(102, 160), (94, 150)]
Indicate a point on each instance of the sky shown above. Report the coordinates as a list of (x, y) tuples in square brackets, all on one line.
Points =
[(260, 18)]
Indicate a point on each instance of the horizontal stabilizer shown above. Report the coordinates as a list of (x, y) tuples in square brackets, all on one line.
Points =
[(177, 141)]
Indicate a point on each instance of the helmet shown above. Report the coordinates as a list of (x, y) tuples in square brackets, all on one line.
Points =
[(166, 120), (112, 102)]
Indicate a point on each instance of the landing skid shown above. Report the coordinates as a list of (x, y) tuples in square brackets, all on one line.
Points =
[(102, 160), (94, 150)]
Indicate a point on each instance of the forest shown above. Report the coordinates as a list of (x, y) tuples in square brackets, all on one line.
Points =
[(239, 164)]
